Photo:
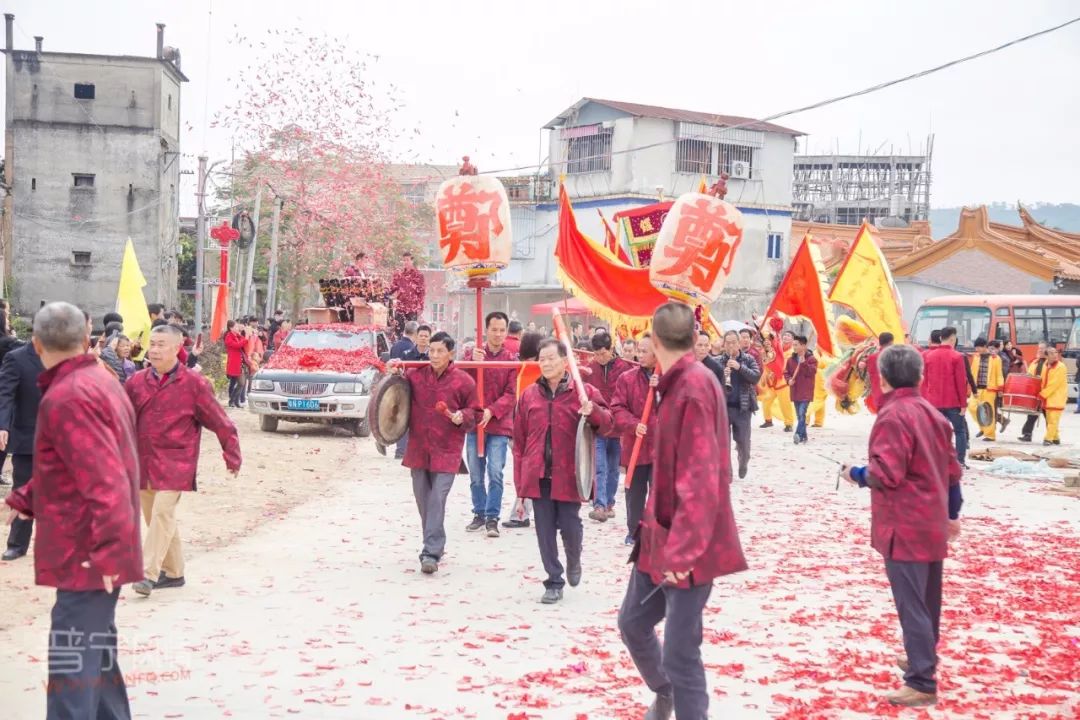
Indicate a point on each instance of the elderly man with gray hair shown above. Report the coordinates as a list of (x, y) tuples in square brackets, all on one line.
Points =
[(84, 498), (914, 479)]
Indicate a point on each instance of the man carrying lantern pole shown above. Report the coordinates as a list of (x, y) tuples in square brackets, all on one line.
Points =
[(443, 407), (631, 395)]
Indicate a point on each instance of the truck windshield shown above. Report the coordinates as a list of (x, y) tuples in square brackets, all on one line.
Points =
[(970, 323), (328, 340)]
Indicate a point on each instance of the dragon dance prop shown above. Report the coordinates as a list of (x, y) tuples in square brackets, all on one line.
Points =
[(847, 379)]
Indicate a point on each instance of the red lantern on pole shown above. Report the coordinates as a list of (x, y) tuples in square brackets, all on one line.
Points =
[(224, 234), (696, 248), (474, 237)]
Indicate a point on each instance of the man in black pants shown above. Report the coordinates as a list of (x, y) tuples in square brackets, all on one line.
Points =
[(19, 397), (738, 374), (627, 406)]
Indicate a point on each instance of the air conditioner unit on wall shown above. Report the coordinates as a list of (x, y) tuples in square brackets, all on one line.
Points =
[(740, 170)]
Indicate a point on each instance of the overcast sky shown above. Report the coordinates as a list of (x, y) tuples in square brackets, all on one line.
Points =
[(482, 77)]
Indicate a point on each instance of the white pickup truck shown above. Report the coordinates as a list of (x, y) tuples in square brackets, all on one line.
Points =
[(320, 374)]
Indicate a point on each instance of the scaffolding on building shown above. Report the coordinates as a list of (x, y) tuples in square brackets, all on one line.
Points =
[(846, 189)]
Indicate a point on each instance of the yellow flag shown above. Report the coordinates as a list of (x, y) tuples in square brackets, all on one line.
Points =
[(130, 302), (865, 285)]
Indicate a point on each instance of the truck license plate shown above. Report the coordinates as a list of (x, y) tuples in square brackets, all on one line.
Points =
[(303, 404)]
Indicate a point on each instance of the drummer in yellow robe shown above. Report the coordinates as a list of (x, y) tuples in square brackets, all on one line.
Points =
[(1054, 394), (986, 369), (821, 396)]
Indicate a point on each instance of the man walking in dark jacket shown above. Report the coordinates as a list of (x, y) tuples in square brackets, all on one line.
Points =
[(800, 373), (19, 398), (738, 374)]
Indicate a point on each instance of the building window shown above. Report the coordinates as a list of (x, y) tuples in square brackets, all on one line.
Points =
[(695, 156), (84, 91), (730, 155), (775, 246), (416, 193), (170, 102), (588, 149), (83, 180), (80, 257), (438, 313)]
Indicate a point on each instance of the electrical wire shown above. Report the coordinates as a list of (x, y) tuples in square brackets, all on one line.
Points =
[(813, 106)]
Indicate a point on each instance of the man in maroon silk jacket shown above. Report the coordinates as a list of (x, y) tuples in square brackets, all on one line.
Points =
[(627, 405), (604, 371), (801, 372), (945, 386), (444, 407), (914, 480), (172, 406), (688, 537), (497, 421), (545, 434), (84, 499)]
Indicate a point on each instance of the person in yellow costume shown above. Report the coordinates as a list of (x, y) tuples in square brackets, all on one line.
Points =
[(1054, 393), (986, 369), (775, 394), (821, 395)]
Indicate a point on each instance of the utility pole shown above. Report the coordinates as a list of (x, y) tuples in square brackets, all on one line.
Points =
[(271, 276), (249, 278), (200, 243)]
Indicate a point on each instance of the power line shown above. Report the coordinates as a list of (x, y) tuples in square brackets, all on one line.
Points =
[(820, 104)]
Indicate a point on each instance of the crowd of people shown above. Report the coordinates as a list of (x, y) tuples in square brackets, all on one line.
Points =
[(679, 519), (97, 417), (95, 443)]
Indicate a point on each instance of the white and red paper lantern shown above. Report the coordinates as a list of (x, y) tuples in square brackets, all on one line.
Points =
[(696, 247)]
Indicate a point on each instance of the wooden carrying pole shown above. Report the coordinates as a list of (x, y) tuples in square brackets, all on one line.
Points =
[(632, 465), (479, 284), (564, 337)]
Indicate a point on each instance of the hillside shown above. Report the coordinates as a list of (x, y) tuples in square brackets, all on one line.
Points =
[(1063, 216)]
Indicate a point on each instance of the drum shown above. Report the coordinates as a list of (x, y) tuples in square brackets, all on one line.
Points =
[(585, 459), (388, 409), (1021, 394), (984, 413)]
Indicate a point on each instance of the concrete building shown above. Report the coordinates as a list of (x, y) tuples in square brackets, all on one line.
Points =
[(620, 156), (92, 146)]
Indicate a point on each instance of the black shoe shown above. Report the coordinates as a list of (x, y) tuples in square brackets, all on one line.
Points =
[(429, 566), (986, 439), (979, 435), (766, 424), (1025, 438), (788, 428), (1057, 442), (798, 439), (476, 524), (516, 523), (663, 708), (12, 554), (551, 596), (143, 587), (492, 527), (742, 471), (573, 573), (164, 581), (380, 448)]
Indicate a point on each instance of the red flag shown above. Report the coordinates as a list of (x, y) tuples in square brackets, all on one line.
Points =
[(611, 289), (801, 295), (612, 239)]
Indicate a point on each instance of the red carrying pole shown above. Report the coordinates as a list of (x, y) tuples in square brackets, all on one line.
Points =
[(560, 331), (480, 344), (632, 465)]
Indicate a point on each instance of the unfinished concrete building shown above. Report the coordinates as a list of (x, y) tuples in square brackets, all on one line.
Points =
[(92, 158), (846, 189)]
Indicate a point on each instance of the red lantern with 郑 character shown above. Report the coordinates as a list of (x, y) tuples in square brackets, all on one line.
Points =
[(224, 234), (475, 239), (696, 248)]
